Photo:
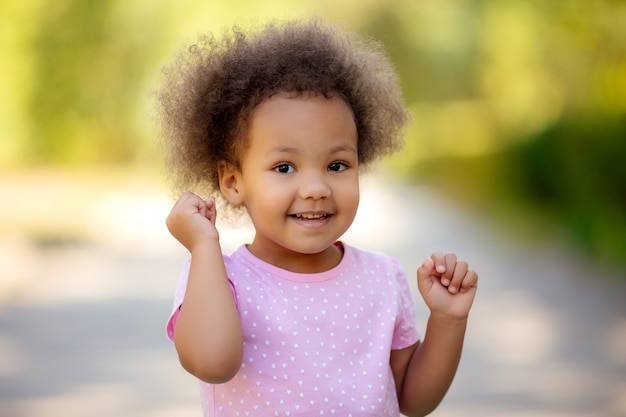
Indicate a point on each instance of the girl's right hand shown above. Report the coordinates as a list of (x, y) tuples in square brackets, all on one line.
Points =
[(192, 220)]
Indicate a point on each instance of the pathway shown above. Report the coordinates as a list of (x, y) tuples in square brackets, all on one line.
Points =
[(82, 325)]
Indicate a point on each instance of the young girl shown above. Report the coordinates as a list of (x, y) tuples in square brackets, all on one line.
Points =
[(280, 122)]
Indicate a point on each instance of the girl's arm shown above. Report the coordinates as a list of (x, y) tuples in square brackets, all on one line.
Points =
[(423, 372), (208, 334)]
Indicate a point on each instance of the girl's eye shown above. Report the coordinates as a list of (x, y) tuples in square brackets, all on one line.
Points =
[(284, 169), (337, 166)]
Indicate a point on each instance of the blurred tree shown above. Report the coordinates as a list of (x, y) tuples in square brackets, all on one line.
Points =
[(433, 45), (537, 114), (517, 103), (67, 49), (15, 32), (574, 165), (89, 63)]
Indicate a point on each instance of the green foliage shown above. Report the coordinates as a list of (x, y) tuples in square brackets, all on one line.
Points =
[(571, 176), (518, 103), (522, 110), (577, 168), (83, 84), (65, 101)]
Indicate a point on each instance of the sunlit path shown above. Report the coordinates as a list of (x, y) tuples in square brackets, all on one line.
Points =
[(81, 323)]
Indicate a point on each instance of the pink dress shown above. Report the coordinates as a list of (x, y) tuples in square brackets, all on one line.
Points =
[(314, 344)]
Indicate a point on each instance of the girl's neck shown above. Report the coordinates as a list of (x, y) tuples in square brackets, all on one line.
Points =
[(301, 263)]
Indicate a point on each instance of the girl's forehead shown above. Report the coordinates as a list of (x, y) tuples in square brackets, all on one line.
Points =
[(287, 120), (297, 102), (285, 110), (299, 95)]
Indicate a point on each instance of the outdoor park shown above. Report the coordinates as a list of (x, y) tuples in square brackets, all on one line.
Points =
[(514, 159)]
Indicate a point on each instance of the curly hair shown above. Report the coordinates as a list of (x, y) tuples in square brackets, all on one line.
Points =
[(211, 88)]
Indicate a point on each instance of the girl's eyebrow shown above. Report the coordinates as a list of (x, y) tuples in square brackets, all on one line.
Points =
[(294, 150), (343, 148), (284, 149)]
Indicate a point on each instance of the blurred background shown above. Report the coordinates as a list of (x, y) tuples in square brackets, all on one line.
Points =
[(516, 155)]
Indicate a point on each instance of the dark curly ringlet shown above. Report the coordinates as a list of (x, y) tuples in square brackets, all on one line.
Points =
[(211, 88)]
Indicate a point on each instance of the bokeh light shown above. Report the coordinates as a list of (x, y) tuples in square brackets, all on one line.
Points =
[(514, 159)]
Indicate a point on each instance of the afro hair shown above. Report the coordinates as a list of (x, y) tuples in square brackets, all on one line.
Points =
[(211, 88)]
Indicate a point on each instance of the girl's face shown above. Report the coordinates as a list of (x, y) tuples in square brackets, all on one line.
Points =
[(299, 180)]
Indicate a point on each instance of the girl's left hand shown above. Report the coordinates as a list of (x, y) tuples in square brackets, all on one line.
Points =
[(447, 285)]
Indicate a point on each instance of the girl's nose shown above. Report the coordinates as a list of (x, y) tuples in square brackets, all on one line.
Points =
[(314, 186)]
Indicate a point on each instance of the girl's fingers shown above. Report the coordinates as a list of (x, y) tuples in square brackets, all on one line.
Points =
[(439, 262), (189, 200), (458, 275), (452, 273), (425, 275), (469, 281), (445, 266), (426, 270), (450, 259), (211, 211)]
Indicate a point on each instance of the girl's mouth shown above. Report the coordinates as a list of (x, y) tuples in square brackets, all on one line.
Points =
[(310, 216)]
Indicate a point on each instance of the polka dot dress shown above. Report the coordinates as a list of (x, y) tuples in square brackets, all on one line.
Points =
[(314, 344)]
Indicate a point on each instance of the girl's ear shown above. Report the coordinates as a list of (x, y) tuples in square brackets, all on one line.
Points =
[(229, 180)]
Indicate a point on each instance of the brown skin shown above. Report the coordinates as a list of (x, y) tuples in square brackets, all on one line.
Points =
[(211, 89), (422, 372), (211, 359)]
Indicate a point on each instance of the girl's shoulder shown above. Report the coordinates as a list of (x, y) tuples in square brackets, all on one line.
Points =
[(370, 257)]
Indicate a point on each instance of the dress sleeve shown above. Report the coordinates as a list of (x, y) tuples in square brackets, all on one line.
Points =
[(180, 296), (406, 332), (178, 300)]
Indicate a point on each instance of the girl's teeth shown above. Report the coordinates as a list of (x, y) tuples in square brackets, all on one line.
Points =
[(310, 216)]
